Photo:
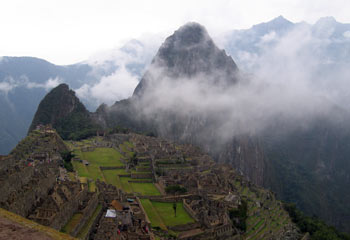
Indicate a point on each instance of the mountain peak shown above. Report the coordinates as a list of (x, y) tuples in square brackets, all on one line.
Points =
[(280, 19), (64, 111), (326, 20), (191, 33), (186, 54), (277, 24)]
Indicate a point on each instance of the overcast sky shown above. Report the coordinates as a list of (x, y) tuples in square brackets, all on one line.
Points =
[(69, 31)]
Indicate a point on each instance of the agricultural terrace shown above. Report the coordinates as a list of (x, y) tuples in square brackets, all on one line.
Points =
[(109, 157), (162, 214)]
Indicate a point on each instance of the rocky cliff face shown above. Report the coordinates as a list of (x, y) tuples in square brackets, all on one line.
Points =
[(187, 53)]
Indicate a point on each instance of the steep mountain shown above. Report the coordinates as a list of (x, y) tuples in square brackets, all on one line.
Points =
[(24, 81), (186, 54), (188, 95), (63, 110), (190, 60)]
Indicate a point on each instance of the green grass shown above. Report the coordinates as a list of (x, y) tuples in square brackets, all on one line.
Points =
[(154, 217), (166, 212), (85, 230), (111, 176), (126, 186), (103, 157), (142, 188), (72, 223), (147, 189), (80, 168)]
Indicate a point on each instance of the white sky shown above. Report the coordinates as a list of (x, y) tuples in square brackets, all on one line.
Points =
[(68, 31)]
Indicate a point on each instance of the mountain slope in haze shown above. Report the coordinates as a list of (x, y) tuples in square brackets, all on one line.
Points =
[(188, 59), (63, 110), (188, 52), (24, 81), (303, 154)]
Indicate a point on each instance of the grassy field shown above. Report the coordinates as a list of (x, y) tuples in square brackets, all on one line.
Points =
[(163, 213), (99, 157), (72, 223), (126, 186), (111, 176), (154, 217), (142, 188), (166, 212), (147, 189), (102, 157)]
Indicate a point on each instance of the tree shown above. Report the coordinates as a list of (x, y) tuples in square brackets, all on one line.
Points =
[(173, 189), (174, 207), (67, 160)]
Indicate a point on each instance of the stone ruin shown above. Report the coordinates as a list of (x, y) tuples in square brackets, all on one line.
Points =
[(128, 220)]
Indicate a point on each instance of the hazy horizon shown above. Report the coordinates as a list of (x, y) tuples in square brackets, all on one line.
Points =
[(65, 32)]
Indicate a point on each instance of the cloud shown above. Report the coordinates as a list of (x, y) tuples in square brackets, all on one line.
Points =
[(117, 86), (10, 84), (5, 87), (269, 37), (290, 81), (346, 34), (118, 71)]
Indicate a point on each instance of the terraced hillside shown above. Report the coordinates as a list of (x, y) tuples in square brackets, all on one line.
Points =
[(111, 165), (180, 192)]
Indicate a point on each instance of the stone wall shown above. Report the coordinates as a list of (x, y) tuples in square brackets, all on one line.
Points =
[(86, 212), (141, 175), (23, 189), (185, 227), (112, 168), (93, 225), (138, 181), (68, 209), (143, 169), (189, 210)]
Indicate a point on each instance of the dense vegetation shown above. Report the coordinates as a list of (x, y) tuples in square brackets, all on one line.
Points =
[(316, 227), (239, 216), (175, 189), (67, 160)]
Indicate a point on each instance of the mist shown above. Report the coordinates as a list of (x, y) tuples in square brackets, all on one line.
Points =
[(290, 80)]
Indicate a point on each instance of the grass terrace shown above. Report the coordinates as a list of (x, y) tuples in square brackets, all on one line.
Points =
[(162, 214), (99, 157), (147, 189), (72, 223)]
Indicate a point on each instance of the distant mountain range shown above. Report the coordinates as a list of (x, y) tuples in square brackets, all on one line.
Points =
[(25, 80)]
